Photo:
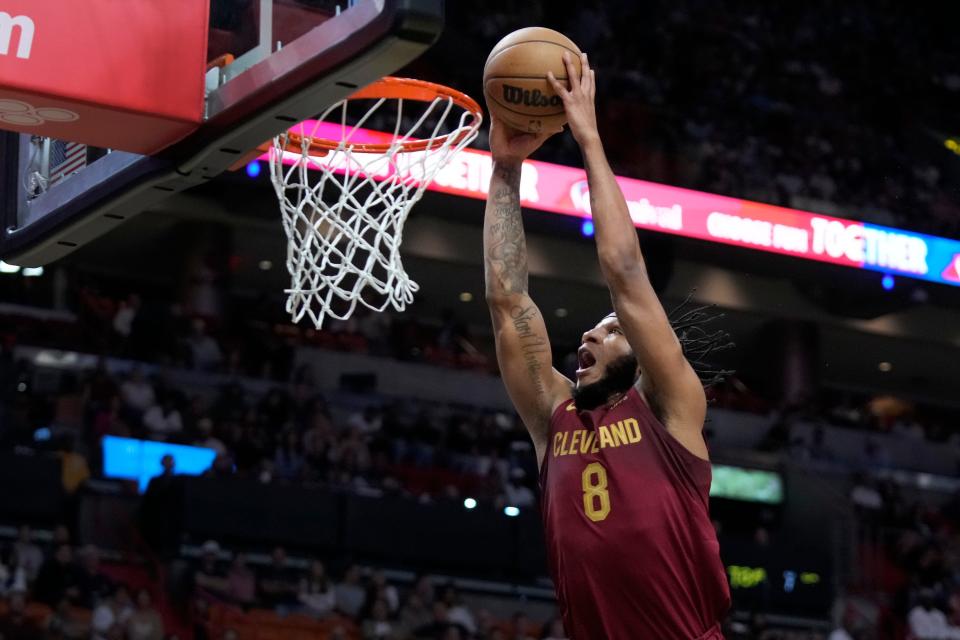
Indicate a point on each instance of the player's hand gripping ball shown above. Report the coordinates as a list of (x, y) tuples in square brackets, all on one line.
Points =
[(578, 100), (515, 79)]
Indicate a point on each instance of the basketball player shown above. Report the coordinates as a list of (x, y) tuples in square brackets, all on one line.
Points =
[(624, 469)]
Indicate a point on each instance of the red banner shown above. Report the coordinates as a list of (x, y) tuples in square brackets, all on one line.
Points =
[(123, 75), (693, 214)]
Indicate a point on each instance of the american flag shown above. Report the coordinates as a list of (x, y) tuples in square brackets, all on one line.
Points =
[(66, 158)]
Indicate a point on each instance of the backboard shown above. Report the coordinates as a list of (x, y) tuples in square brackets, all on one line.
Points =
[(272, 64)]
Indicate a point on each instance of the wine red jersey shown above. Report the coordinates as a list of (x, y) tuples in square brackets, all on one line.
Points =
[(632, 549)]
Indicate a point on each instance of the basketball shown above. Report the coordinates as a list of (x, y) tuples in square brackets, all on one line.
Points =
[(515, 78)]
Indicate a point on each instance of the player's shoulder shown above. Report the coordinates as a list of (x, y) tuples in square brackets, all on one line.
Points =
[(563, 407)]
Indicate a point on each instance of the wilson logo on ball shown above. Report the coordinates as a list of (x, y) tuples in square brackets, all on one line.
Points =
[(535, 98)]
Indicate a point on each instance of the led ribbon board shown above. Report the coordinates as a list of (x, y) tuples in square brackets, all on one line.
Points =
[(693, 214)]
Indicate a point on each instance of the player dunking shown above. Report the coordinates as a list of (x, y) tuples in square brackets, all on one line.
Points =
[(624, 469)]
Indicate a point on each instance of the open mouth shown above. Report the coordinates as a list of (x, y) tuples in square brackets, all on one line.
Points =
[(585, 360)]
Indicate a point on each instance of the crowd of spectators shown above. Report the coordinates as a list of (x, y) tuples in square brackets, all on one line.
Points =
[(885, 424), (291, 434), (358, 598), (57, 591), (60, 591), (294, 433), (841, 109), (913, 552), (258, 342)]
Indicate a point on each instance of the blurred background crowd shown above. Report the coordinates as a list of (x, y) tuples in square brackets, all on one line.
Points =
[(835, 109)]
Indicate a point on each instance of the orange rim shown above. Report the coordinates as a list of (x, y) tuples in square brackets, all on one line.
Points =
[(391, 88), (221, 62)]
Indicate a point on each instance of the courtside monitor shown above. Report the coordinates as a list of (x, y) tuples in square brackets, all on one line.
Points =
[(132, 459)]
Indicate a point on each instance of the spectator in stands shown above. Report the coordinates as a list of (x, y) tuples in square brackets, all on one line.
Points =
[(126, 314), (274, 410), (137, 393), (7, 574), (222, 467), (318, 438), (288, 460), (145, 623), (209, 578), (112, 612), (380, 588), (909, 429), (350, 593), (457, 612), (414, 614), (439, 625), (205, 353), (865, 497), (163, 420), (554, 630), (158, 515), (65, 622), (425, 589), (317, 595), (378, 626), (74, 469), (201, 618), (515, 492), (100, 388), (108, 420), (61, 535), (241, 581), (14, 623), (351, 454), (368, 421), (840, 633), (27, 555), (927, 621), (520, 626), (58, 578), (206, 437), (93, 584), (278, 582), (453, 632)]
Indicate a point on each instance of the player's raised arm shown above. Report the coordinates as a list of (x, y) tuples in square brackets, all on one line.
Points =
[(667, 380), (523, 347)]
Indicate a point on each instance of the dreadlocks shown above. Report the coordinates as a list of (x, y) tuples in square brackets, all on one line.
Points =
[(698, 343)]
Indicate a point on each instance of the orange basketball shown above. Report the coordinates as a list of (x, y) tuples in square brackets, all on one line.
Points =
[(515, 78)]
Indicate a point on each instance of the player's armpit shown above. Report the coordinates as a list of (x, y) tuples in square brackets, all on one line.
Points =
[(526, 364), (667, 380)]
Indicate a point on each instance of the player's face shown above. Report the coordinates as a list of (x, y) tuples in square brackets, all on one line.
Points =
[(603, 344)]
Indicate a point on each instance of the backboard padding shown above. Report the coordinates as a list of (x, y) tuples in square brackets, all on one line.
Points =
[(326, 64)]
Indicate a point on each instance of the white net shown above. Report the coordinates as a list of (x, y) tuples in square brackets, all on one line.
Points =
[(344, 212)]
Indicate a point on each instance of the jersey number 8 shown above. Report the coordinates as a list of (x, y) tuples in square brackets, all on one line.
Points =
[(596, 499)]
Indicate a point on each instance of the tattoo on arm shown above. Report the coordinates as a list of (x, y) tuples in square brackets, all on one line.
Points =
[(505, 258), (506, 252), (532, 344)]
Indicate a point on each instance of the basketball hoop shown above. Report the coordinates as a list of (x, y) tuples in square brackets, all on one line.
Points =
[(344, 219)]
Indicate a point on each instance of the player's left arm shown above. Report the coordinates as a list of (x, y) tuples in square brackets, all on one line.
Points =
[(667, 380)]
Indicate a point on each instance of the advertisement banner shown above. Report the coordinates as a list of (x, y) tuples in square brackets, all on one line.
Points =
[(121, 75), (693, 214)]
